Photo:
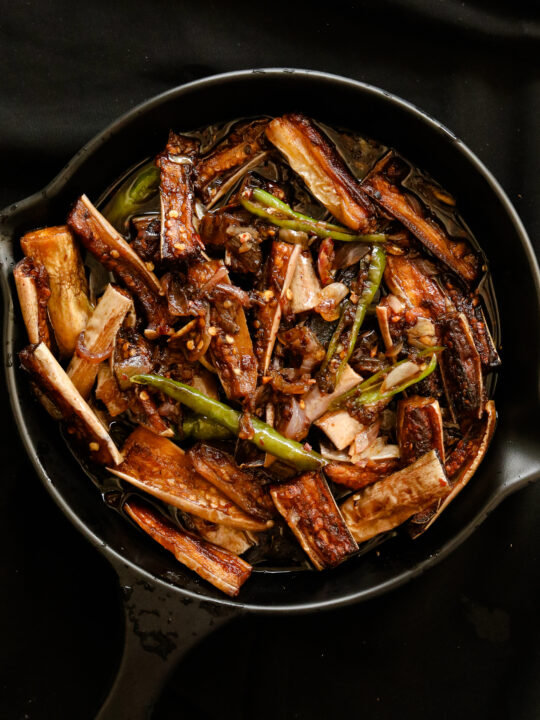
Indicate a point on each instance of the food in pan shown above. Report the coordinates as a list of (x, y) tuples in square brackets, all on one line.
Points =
[(272, 342)]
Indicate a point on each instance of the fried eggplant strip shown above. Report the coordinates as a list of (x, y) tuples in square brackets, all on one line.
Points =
[(383, 184), (69, 307), (279, 274), (100, 238), (357, 476), (311, 512), (239, 147), (218, 566), (407, 280), (460, 466), (231, 539), (461, 368), (99, 337), (179, 241), (231, 348), (33, 290), (386, 504), (159, 467), (51, 379), (241, 486), (419, 428), (317, 161)]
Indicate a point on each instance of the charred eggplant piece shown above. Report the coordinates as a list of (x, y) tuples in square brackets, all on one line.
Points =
[(52, 380), (311, 512), (159, 467), (388, 503), (279, 272), (419, 428), (100, 238), (383, 184), (244, 143), (318, 163), (108, 392), (33, 290), (219, 567), (357, 476), (243, 487), (237, 236), (461, 368), (407, 280), (147, 239), (231, 539), (179, 241), (97, 341), (460, 466), (69, 307), (231, 348)]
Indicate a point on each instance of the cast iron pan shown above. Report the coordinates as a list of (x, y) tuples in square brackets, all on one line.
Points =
[(168, 608)]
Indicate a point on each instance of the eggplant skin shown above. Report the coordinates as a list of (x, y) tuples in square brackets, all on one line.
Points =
[(461, 368), (311, 512), (317, 161), (241, 486), (419, 428), (383, 184), (218, 566), (68, 305), (388, 503), (358, 476)]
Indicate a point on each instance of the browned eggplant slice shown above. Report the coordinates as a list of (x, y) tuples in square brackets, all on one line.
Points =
[(108, 392), (357, 476), (419, 428), (241, 486), (179, 241), (133, 355), (231, 348), (383, 184), (460, 466), (33, 290), (52, 380), (470, 305), (100, 238), (160, 468), (233, 539), (318, 163), (99, 337), (147, 415), (388, 503), (236, 233), (68, 306), (407, 279), (279, 273), (461, 368), (244, 142), (219, 567), (147, 239), (311, 512)]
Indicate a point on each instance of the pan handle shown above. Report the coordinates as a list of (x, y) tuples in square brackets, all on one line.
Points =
[(160, 628)]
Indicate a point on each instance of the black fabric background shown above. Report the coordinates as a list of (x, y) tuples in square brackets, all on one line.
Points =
[(459, 642)]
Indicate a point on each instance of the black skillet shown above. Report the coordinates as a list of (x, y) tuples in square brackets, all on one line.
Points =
[(167, 608)]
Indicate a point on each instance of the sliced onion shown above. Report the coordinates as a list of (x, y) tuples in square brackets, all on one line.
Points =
[(399, 375), (92, 357), (349, 254), (329, 299)]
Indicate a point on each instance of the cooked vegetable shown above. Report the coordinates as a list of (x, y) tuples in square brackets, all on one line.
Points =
[(265, 321), (344, 338), (264, 436), (68, 306), (311, 512), (127, 201), (386, 504), (219, 567), (275, 211), (162, 469)]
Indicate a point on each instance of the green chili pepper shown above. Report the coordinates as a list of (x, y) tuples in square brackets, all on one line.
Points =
[(202, 428), (128, 199), (278, 213), (344, 338), (369, 391), (264, 437)]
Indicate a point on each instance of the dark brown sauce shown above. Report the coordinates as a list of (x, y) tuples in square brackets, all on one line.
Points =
[(277, 549)]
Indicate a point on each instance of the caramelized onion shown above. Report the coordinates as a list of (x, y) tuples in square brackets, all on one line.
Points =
[(92, 357)]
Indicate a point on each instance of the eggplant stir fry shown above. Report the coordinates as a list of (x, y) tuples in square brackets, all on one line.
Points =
[(271, 338)]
